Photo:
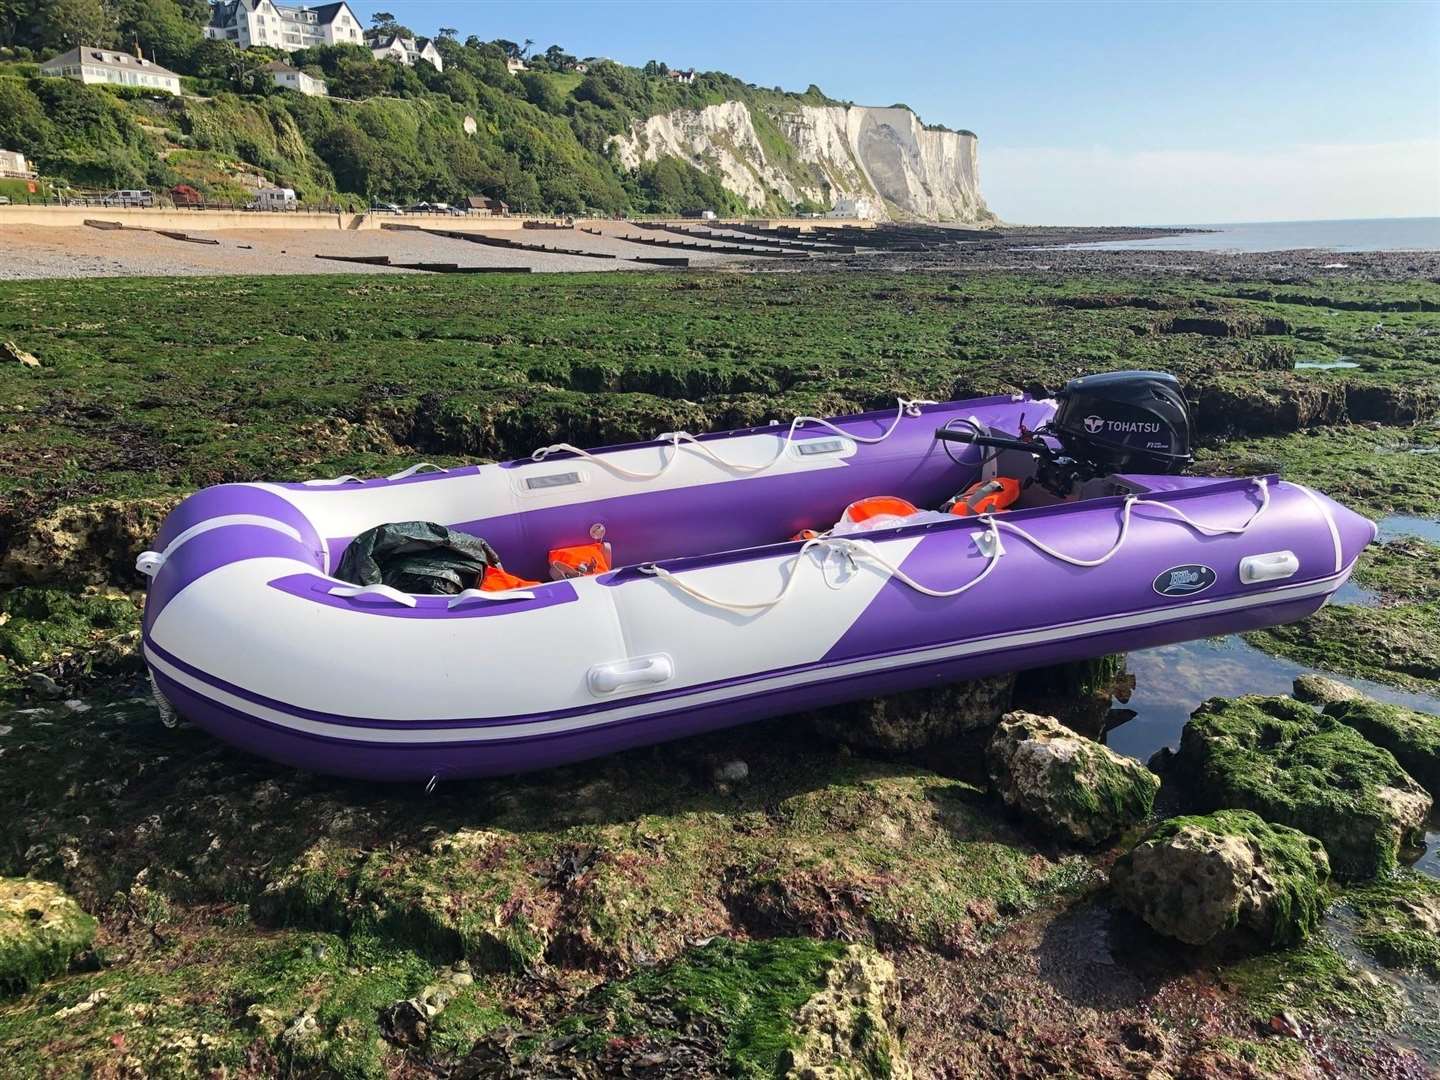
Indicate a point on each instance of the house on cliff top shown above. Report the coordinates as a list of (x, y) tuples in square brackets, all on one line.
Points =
[(107, 67), (287, 27), (405, 50)]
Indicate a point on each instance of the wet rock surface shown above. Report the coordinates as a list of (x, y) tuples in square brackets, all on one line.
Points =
[(1277, 757), (919, 718), (1198, 878), (1066, 783)]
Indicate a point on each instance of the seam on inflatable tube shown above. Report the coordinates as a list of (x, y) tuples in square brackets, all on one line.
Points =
[(497, 729), (1329, 520), (259, 521)]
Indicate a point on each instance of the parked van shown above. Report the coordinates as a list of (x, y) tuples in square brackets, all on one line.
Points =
[(131, 197), (279, 198)]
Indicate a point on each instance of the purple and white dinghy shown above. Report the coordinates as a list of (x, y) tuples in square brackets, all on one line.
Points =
[(712, 617)]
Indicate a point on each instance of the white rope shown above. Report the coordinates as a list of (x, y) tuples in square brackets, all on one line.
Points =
[(852, 549), (907, 407), (866, 550)]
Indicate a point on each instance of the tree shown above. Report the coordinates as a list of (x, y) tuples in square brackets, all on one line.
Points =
[(509, 48), (524, 51), (380, 18), (448, 32), (63, 24), (652, 68)]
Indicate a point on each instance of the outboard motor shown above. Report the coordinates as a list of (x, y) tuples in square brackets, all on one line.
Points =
[(1131, 421)]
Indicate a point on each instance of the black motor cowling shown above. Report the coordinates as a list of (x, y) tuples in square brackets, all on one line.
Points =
[(1125, 421)]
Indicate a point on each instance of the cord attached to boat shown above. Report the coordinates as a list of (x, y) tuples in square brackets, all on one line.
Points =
[(907, 407), (989, 543)]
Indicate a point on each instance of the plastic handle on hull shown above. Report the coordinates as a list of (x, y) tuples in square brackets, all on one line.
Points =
[(374, 592), (476, 595), (641, 671), (1272, 566)]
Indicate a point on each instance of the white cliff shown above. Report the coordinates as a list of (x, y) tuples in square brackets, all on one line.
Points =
[(823, 155)]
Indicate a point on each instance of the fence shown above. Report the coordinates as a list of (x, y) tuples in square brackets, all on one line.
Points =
[(170, 202)]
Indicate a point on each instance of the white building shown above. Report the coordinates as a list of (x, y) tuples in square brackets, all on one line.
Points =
[(244, 23), (515, 65), (859, 206), (289, 78), (12, 163), (102, 66), (405, 50)]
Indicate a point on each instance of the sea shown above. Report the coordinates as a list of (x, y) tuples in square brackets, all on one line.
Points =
[(1365, 234)]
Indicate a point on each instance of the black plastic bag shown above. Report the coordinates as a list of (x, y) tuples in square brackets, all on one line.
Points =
[(416, 557)]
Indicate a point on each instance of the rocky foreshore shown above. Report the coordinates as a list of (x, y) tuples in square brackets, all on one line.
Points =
[(960, 882)]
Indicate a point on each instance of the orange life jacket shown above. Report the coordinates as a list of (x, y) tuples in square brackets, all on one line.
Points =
[(579, 560), (498, 579), (986, 497), (876, 506)]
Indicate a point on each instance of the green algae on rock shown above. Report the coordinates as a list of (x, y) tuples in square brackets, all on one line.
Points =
[(782, 1007), (1399, 921), (1063, 781), (1277, 757), (64, 633), (1198, 878), (1413, 737), (41, 931)]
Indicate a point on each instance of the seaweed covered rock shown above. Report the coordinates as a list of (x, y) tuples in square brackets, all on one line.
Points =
[(1279, 758), (1322, 690), (41, 929), (1398, 921), (919, 718), (849, 1027), (1066, 782), (1198, 878), (1413, 737)]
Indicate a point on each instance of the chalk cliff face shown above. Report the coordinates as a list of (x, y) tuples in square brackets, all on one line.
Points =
[(823, 154)]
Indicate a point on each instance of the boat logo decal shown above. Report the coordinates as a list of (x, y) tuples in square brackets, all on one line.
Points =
[(1184, 580), (1093, 424)]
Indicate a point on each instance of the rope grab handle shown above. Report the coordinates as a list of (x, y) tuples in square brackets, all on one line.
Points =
[(988, 542), (906, 407)]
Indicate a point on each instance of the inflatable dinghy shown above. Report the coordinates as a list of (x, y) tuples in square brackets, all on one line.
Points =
[(713, 615)]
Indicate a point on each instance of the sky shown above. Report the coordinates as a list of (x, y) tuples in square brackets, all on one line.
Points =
[(1088, 113)]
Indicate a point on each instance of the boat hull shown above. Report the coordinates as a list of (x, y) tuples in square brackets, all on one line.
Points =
[(249, 637)]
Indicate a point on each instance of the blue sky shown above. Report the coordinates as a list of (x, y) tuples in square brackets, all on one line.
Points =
[(1087, 112)]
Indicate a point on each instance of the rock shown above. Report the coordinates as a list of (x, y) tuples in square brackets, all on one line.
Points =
[(15, 354), (1413, 737), (1319, 690), (42, 685), (1066, 782), (918, 718), (1292, 766), (1197, 878), (91, 544), (41, 930), (731, 772), (850, 1024)]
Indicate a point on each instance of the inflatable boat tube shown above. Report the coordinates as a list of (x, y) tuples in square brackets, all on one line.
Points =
[(712, 617)]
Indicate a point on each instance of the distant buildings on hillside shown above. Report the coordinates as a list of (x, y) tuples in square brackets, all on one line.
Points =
[(94, 66), (12, 163), (682, 76), (290, 78), (405, 50), (283, 26)]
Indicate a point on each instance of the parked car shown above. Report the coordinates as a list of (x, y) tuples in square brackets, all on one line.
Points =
[(386, 208), (130, 197), (4, 200), (421, 208)]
